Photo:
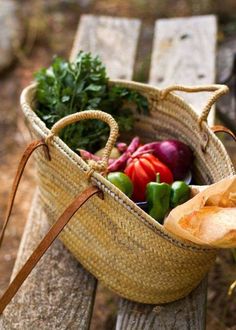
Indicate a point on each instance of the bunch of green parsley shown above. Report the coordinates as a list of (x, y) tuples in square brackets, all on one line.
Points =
[(65, 88)]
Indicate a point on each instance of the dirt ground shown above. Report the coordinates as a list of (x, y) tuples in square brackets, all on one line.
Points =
[(46, 27)]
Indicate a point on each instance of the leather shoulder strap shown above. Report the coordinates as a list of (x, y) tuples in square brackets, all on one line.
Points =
[(24, 159), (223, 129), (52, 233), (45, 244)]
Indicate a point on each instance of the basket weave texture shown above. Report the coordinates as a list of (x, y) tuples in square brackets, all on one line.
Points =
[(125, 248)]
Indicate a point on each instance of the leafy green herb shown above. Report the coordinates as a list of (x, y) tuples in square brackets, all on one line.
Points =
[(65, 88)]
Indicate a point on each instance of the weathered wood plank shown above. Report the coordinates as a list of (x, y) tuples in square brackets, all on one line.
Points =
[(184, 53), (57, 294), (179, 315), (226, 73), (113, 39), (177, 46)]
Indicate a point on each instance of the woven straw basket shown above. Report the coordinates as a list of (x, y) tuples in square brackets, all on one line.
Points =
[(120, 244)]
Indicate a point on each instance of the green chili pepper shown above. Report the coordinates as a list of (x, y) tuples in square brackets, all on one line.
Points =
[(158, 198), (180, 193)]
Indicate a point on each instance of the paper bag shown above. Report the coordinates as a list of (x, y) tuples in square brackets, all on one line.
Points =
[(209, 218)]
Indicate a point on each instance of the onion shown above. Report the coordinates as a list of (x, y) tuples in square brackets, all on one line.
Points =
[(173, 153)]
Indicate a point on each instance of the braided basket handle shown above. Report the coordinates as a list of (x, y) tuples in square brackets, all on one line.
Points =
[(90, 114), (218, 91)]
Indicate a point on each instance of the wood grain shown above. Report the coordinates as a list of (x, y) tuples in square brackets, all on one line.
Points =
[(113, 39), (180, 45), (58, 294), (183, 314), (184, 53)]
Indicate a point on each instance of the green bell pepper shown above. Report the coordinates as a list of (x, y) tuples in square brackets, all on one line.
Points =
[(180, 193), (158, 198)]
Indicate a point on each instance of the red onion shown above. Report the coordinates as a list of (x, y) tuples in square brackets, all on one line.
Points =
[(173, 153)]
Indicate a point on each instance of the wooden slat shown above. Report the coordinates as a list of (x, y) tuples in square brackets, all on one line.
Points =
[(179, 315), (184, 53), (181, 49), (57, 292), (113, 39), (226, 73)]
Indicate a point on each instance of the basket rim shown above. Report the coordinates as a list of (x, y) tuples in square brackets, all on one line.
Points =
[(26, 99)]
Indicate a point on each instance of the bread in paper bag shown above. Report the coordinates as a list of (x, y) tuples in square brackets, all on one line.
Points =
[(209, 218)]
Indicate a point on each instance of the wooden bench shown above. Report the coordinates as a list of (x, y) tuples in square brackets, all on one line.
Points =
[(60, 293)]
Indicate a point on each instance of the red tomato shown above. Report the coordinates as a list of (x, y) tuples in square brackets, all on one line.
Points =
[(143, 169)]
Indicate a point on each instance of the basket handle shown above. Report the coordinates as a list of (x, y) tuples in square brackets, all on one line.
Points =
[(90, 114), (218, 91)]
